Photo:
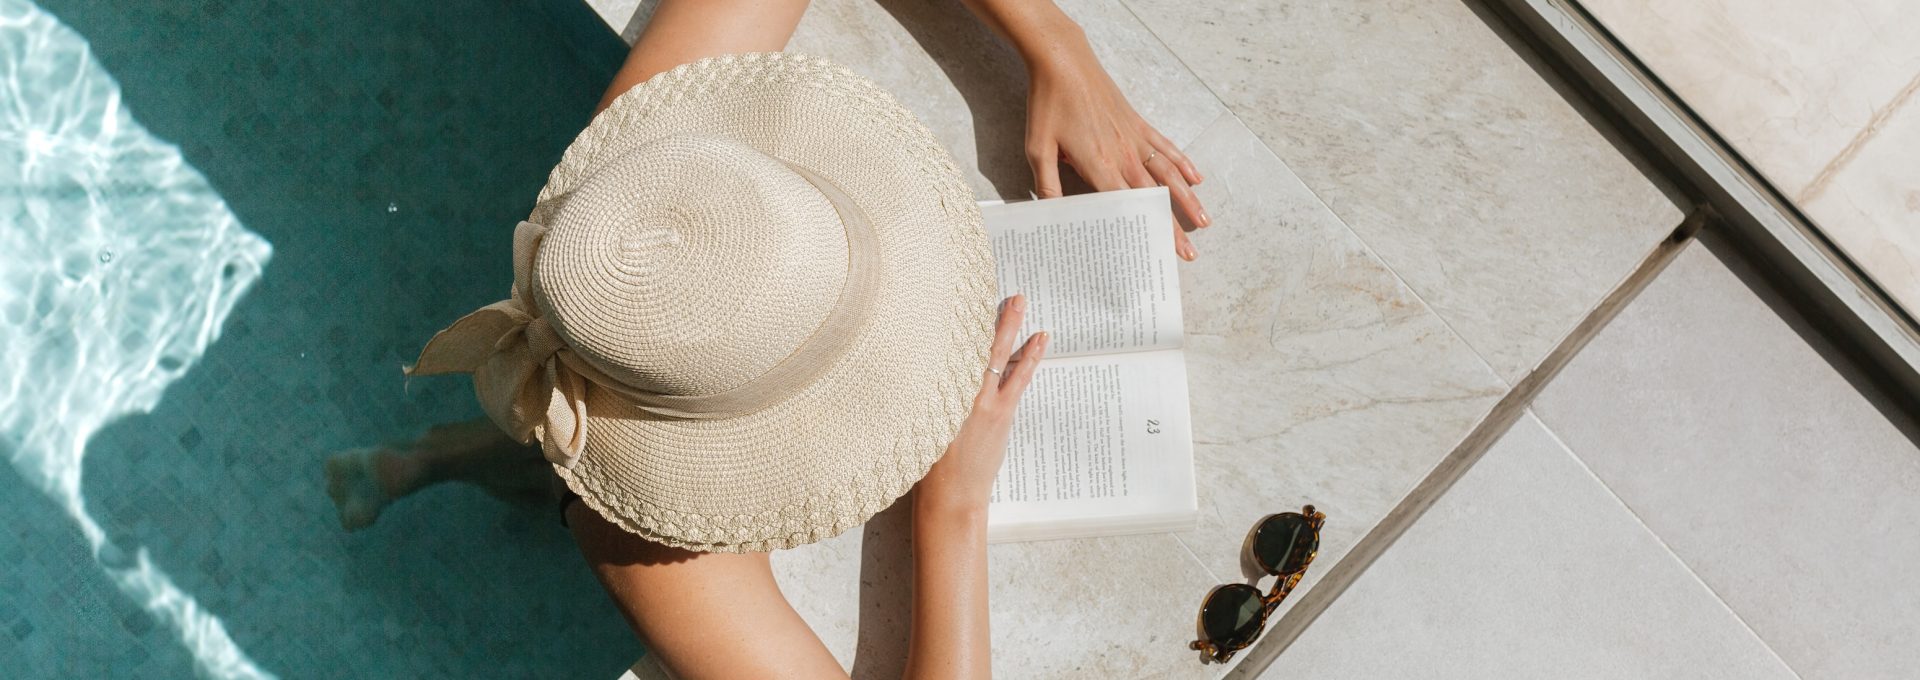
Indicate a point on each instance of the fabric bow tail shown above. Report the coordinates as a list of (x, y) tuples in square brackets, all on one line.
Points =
[(521, 382)]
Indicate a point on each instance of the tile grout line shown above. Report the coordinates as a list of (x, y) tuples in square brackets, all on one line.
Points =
[(1314, 584), (1384, 264), (1683, 232), (1222, 101), (1475, 444), (1818, 185), (1196, 559), (1675, 556), (1368, 247)]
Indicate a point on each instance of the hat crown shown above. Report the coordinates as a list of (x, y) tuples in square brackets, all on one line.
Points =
[(691, 265)]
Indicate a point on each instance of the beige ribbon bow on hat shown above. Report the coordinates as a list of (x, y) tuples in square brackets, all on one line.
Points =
[(527, 381)]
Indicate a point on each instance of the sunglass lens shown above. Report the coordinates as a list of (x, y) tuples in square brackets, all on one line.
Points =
[(1283, 542), (1231, 615)]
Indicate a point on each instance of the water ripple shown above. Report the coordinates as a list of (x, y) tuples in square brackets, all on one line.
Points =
[(118, 266)]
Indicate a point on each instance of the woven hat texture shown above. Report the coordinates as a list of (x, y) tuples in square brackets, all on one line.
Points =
[(751, 307)]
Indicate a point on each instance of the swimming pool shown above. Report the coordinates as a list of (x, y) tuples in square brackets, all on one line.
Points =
[(225, 226)]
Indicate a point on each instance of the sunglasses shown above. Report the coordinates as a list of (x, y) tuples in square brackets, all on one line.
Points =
[(1232, 616)]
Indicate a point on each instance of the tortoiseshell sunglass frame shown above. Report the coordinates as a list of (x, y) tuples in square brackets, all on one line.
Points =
[(1222, 652)]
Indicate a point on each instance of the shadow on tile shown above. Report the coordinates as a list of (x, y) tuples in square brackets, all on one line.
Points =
[(1628, 142), (990, 77), (1831, 348), (886, 593)]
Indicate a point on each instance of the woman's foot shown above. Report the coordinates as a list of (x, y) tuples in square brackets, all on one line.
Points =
[(363, 481)]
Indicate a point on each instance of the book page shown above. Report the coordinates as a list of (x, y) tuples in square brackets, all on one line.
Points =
[(1097, 439), (1097, 269)]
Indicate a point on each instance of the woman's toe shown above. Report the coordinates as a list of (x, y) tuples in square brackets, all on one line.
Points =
[(354, 487)]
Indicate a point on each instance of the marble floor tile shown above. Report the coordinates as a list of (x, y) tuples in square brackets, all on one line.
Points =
[(1789, 84), (1497, 202), (1871, 207), (1528, 568), (1117, 607), (1316, 375), (1768, 468), (620, 15)]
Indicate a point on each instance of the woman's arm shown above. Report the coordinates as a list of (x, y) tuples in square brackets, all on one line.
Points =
[(1076, 115), (950, 636), (685, 31), (705, 615)]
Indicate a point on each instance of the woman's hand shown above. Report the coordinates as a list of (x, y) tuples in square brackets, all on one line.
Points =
[(964, 474), (949, 637), (1077, 116)]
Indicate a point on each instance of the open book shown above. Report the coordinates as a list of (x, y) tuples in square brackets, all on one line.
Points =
[(1103, 441)]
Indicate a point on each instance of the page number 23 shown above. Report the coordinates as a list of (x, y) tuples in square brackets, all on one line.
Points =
[(1153, 426)]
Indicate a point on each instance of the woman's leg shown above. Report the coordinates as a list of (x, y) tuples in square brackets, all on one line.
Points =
[(363, 481)]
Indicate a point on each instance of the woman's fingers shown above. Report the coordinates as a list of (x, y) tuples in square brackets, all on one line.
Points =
[(1045, 160), (1158, 163), (1020, 370), (1173, 153), (1183, 245), (1013, 311), (1137, 175), (1182, 194), (1183, 197), (1188, 204), (1009, 371), (1174, 170)]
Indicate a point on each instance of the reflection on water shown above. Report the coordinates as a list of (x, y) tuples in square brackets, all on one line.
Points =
[(121, 265)]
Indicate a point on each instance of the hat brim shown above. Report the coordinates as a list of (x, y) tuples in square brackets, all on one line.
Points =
[(827, 458)]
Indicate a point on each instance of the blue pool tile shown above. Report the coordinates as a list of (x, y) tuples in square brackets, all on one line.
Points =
[(309, 119)]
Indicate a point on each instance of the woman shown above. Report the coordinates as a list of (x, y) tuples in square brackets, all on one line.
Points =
[(701, 594)]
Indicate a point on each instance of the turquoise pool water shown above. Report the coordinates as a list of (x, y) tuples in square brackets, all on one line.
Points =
[(224, 225)]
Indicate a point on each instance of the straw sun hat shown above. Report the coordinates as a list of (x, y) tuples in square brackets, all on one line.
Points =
[(751, 307)]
